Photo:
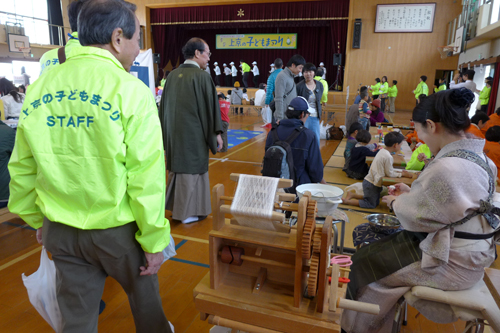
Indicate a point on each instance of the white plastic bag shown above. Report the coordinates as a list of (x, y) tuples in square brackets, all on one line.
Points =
[(169, 251), (267, 115), (41, 287), (323, 129)]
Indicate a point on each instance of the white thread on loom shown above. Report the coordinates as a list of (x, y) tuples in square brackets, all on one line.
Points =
[(253, 202)]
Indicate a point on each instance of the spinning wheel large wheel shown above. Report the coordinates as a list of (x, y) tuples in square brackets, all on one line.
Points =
[(309, 229)]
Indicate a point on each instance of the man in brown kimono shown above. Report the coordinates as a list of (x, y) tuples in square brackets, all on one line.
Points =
[(191, 123)]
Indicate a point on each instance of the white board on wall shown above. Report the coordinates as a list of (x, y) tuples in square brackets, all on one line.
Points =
[(459, 34), (406, 17)]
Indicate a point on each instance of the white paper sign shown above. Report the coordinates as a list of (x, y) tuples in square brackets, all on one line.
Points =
[(405, 17)]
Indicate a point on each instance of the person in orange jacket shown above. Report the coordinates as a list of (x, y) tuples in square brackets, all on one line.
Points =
[(477, 122), (494, 121), (492, 145), (412, 139)]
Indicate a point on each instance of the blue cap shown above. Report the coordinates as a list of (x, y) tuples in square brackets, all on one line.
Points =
[(299, 104)]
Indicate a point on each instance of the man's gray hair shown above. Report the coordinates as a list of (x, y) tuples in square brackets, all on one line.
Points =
[(99, 18)]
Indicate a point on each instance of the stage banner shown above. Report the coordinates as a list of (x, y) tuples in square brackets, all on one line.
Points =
[(143, 69), (256, 41)]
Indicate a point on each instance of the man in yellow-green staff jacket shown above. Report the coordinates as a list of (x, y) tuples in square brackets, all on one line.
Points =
[(50, 59), (245, 70), (422, 88), (87, 172), (484, 95)]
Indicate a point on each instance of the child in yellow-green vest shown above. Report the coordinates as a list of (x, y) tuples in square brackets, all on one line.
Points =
[(375, 89), (422, 88), (384, 89), (484, 95), (441, 86), (392, 93)]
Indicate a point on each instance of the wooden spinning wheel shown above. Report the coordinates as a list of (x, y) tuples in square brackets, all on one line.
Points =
[(258, 278)]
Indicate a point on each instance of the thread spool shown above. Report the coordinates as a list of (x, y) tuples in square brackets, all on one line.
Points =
[(232, 255)]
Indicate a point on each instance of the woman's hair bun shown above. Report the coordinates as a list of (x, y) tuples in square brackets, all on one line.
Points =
[(462, 97)]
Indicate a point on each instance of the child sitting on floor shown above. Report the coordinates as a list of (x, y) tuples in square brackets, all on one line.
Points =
[(358, 169), (377, 115), (477, 122), (245, 95), (382, 166), (364, 111), (352, 142), (492, 145)]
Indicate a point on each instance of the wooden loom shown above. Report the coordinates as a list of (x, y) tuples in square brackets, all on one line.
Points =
[(258, 278)]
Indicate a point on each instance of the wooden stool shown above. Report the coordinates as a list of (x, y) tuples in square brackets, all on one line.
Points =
[(473, 305)]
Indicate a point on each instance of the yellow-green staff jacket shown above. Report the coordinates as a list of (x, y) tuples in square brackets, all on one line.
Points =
[(50, 58), (245, 68), (484, 96), (384, 88), (422, 88), (441, 87), (392, 91), (324, 97), (375, 90), (89, 150)]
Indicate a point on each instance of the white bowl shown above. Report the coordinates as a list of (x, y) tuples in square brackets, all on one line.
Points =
[(328, 197)]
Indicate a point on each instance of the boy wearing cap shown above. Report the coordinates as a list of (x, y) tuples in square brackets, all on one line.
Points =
[(227, 75), (272, 69), (256, 74), (217, 74), (234, 72), (322, 65), (306, 154)]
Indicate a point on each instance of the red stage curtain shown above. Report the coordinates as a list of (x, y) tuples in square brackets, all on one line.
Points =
[(494, 90), (263, 11), (317, 39)]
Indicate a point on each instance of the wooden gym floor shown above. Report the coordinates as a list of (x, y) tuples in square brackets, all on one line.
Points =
[(20, 253)]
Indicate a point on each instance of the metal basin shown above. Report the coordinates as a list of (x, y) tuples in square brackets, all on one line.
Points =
[(383, 223)]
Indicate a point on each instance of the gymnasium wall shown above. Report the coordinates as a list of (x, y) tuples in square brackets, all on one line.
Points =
[(410, 55), (399, 56)]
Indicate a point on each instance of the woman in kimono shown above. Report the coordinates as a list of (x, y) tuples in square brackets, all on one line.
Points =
[(441, 214)]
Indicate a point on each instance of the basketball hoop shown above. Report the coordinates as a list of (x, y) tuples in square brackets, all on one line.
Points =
[(447, 51), (26, 51)]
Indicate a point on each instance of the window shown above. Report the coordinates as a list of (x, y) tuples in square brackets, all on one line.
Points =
[(495, 11), (32, 15)]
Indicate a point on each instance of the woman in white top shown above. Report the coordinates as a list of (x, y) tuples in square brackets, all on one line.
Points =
[(12, 100), (312, 91)]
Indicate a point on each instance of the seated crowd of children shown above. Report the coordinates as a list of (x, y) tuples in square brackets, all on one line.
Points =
[(358, 147)]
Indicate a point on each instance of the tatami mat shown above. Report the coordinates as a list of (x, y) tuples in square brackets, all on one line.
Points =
[(339, 151), (336, 161)]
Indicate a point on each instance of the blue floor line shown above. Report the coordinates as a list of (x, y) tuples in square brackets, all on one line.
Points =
[(182, 242), (190, 262), (19, 226)]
